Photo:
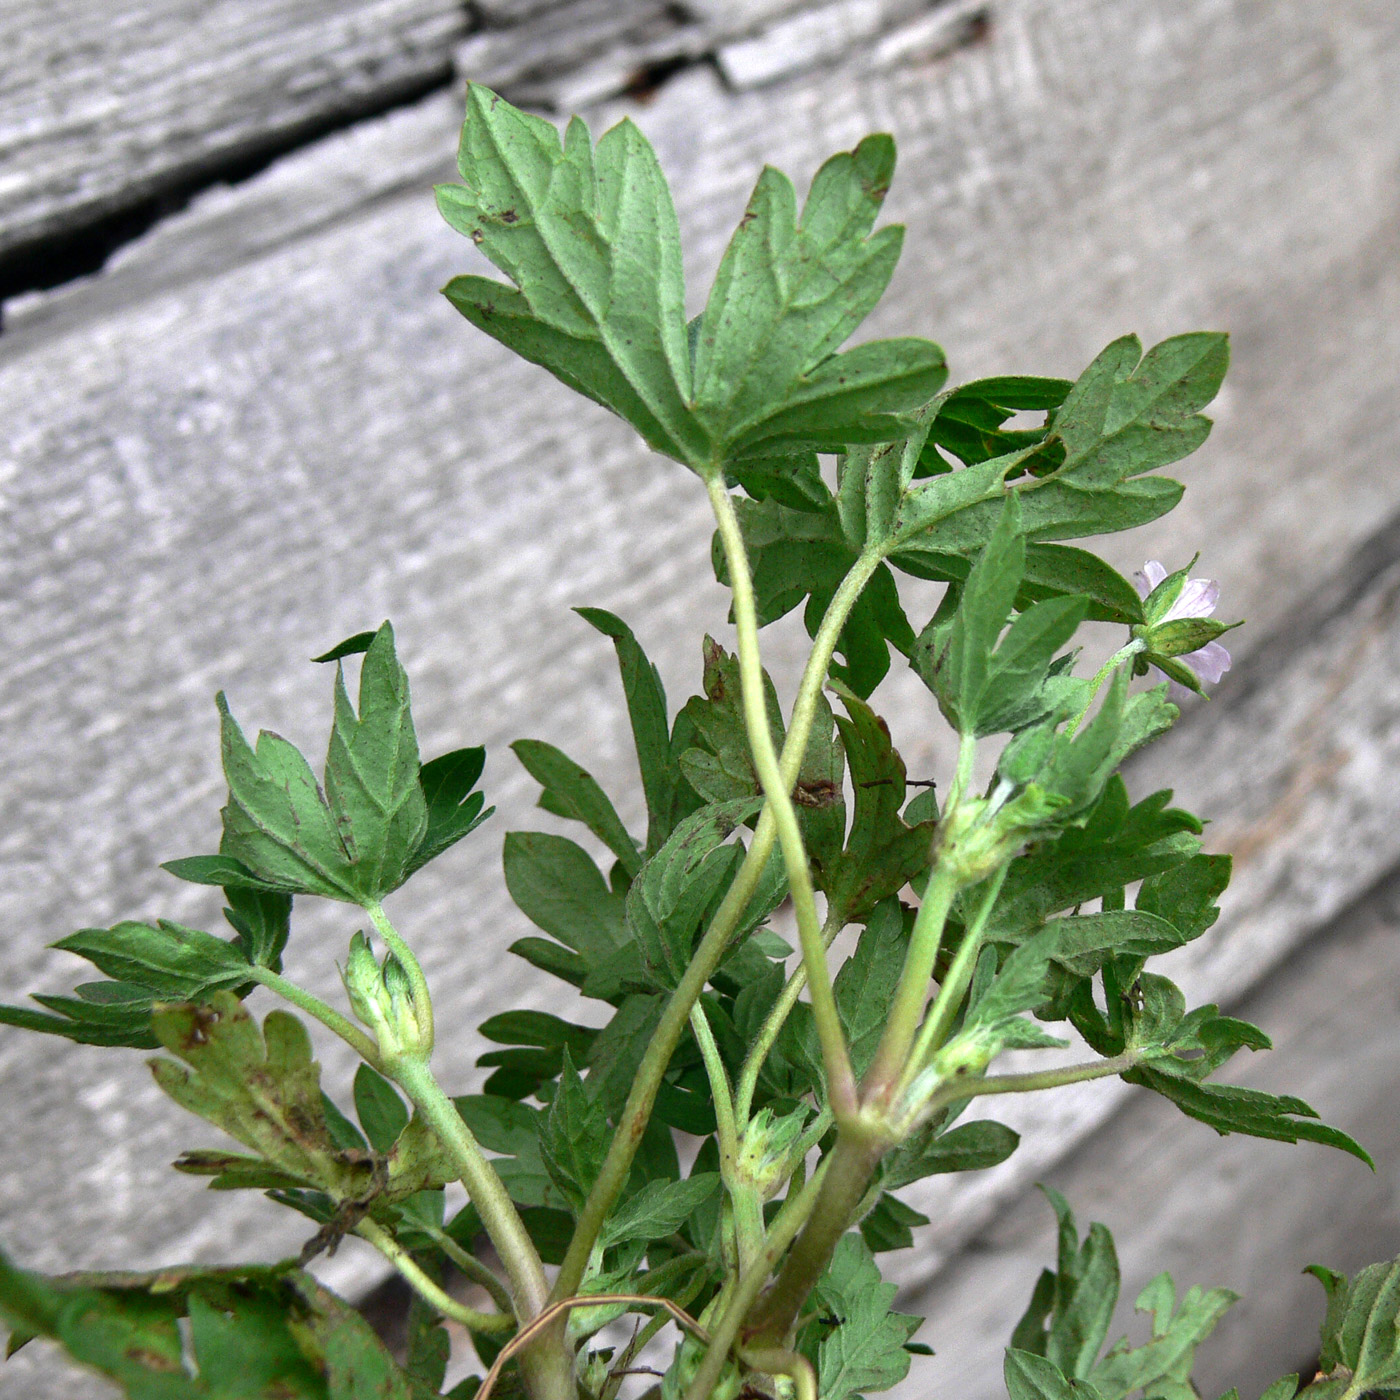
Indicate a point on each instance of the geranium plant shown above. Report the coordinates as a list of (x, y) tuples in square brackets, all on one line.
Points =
[(724, 1155)]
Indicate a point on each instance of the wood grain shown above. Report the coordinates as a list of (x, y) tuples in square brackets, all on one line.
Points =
[(265, 430), (99, 109)]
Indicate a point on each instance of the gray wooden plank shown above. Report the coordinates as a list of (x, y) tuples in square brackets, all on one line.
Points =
[(102, 106), (178, 463)]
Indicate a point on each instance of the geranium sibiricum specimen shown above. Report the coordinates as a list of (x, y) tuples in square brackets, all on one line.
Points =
[(807, 1097)]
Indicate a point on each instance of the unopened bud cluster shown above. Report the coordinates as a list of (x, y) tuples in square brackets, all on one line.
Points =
[(382, 999)]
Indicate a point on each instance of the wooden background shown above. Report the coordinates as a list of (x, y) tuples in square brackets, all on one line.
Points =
[(259, 429)]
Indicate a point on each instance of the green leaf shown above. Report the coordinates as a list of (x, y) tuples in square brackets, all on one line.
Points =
[(1032, 1377), (276, 822), (789, 292), (882, 852), (570, 791), (1233, 1108), (379, 1108), (1118, 845), (351, 646), (1163, 1364), (968, 1148), (153, 963), (253, 1333), (551, 958), (574, 1138), (954, 657), (1083, 944), (1068, 1317), (659, 1209), (646, 707), (890, 1225), (262, 920), (538, 1028), (616, 1054), (260, 1087), (720, 766), (591, 242), (865, 1351), (175, 962), (1361, 1333), (1130, 413), (1127, 414), (454, 809), (669, 900), (372, 784), (558, 887), (218, 870)]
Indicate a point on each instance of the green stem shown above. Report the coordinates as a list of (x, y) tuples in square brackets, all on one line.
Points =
[(1124, 653), (725, 1125), (328, 1016), (841, 1084), (422, 1001), (502, 1223), (545, 1363), (468, 1263), (773, 1022), (779, 1361), (912, 991), (796, 1211), (747, 1208), (426, 1289), (632, 1122), (959, 1090), (617, 1165), (935, 1027), (848, 1171)]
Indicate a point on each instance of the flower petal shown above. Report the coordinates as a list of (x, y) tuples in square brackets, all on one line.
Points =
[(1197, 599), (1149, 576), (1209, 663)]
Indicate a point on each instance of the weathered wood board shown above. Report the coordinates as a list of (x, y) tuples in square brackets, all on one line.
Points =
[(264, 431), (1232, 1212), (101, 107)]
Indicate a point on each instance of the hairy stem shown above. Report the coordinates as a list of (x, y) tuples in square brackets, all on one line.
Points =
[(841, 1086), (426, 1289), (960, 1090), (843, 1187), (773, 1022), (935, 1029), (910, 995), (467, 1262), (328, 1016), (747, 1208), (545, 1362), (612, 1176), (1124, 653), (796, 1211)]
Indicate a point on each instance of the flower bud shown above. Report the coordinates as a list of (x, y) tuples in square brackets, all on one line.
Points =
[(382, 999), (766, 1157)]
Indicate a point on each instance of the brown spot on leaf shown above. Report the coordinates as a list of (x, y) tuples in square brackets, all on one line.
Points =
[(151, 1360), (509, 216), (820, 792)]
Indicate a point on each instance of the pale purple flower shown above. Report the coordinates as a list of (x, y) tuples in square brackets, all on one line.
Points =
[(1197, 598)]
